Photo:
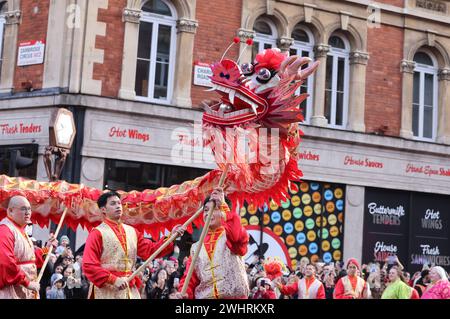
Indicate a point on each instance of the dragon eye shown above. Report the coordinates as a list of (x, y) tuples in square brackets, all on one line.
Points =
[(264, 75), (247, 68)]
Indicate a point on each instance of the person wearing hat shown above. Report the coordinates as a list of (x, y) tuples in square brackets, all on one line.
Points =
[(57, 290), (219, 272), (65, 242), (352, 286), (111, 251), (19, 259)]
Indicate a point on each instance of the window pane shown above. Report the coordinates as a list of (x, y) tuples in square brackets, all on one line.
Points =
[(429, 89), (327, 111), (262, 27), (267, 46), (299, 35), (141, 85), (415, 122), (162, 62), (303, 89), (329, 73), (428, 122), (340, 76), (423, 58), (255, 49), (336, 42), (339, 108), (157, 6), (145, 40), (416, 88), (292, 52)]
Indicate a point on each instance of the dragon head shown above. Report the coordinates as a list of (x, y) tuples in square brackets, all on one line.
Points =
[(262, 92)]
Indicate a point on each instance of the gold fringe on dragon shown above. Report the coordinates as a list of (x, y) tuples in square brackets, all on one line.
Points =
[(258, 101)]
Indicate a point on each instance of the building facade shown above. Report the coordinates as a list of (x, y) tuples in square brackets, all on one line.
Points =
[(133, 73)]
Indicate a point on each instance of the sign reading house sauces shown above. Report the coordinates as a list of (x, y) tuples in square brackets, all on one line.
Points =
[(31, 52), (412, 226)]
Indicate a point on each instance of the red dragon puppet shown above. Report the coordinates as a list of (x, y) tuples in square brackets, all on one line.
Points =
[(258, 103)]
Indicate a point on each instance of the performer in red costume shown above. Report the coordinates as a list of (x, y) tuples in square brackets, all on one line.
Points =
[(352, 286), (19, 259), (220, 271), (308, 287), (111, 251)]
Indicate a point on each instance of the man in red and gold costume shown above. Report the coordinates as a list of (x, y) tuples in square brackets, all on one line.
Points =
[(219, 272), (352, 286), (308, 287), (111, 250), (19, 259)]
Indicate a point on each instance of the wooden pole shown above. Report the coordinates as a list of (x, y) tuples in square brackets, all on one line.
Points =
[(202, 237), (41, 273), (161, 248)]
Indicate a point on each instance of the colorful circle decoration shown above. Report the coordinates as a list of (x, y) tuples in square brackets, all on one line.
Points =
[(290, 240), (330, 207), (314, 258), (326, 245), (302, 250), (297, 212), (334, 231), (327, 257), (244, 222), (299, 225), (316, 197), (273, 205), (336, 243), (286, 214), (309, 223), (252, 209), (337, 255), (301, 238), (295, 200), (278, 230), (311, 235), (286, 204), (328, 194), (292, 252), (317, 209), (266, 219), (265, 208), (338, 193), (313, 248), (304, 187), (332, 220), (288, 228), (254, 220), (307, 210), (275, 217), (306, 199), (340, 205)]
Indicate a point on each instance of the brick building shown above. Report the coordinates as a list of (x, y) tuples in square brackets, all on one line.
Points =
[(377, 121)]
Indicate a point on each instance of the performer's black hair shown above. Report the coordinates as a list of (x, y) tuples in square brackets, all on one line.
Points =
[(103, 199), (227, 200)]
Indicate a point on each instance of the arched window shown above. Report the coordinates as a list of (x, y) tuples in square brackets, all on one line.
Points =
[(3, 9), (337, 80), (303, 46), (156, 52), (425, 95), (266, 36)]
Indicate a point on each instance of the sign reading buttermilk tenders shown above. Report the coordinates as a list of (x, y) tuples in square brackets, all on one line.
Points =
[(386, 221)]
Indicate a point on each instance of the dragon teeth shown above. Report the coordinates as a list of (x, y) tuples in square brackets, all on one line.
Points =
[(231, 96)]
